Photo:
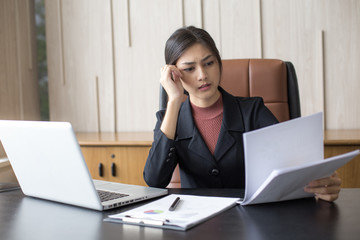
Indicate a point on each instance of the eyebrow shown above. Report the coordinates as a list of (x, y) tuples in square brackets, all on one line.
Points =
[(202, 60)]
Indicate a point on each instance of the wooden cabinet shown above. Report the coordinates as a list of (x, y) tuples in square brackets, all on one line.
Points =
[(117, 157), (123, 155), (341, 141)]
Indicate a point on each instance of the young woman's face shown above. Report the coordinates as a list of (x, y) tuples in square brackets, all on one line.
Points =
[(200, 75)]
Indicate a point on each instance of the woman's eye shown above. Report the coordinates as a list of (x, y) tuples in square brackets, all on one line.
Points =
[(189, 69), (209, 63)]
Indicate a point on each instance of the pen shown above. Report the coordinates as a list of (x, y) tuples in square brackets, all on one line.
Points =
[(174, 204)]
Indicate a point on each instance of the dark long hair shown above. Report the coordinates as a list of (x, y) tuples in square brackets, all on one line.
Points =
[(184, 38)]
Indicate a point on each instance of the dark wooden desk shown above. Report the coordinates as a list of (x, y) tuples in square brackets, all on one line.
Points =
[(29, 218)]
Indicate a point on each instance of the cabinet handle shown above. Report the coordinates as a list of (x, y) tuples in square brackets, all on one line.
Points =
[(113, 169), (101, 170)]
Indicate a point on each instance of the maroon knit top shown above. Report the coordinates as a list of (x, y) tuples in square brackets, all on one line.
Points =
[(208, 120)]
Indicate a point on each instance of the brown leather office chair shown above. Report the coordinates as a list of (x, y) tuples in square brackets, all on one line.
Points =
[(273, 80)]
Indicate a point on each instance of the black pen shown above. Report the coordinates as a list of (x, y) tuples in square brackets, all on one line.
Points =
[(174, 204)]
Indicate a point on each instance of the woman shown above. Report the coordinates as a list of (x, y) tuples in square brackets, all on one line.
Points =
[(204, 134)]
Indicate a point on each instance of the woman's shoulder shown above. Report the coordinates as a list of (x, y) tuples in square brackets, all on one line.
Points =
[(250, 104), (242, 100), (249, 99), (256, 101)]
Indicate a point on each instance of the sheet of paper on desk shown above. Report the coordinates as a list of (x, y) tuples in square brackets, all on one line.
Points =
[(282, 159), (190, 211)]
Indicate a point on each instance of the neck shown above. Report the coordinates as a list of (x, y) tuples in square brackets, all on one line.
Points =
[(203, 103)]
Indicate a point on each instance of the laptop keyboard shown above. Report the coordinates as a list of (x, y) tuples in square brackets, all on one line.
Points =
[(107, 196)]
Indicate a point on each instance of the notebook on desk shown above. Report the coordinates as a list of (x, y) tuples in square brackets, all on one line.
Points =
[(48, 163)]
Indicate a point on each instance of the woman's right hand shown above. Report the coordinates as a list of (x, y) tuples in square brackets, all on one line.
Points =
[(170, 80)]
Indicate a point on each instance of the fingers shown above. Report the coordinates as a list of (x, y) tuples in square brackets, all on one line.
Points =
[(327, 197), (333, 180), (325, 193), (170, 80), (170, 71), (325, 182), (326, 188), (169, 75)]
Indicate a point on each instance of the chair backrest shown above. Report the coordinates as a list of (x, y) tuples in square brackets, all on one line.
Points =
[(273, 80)]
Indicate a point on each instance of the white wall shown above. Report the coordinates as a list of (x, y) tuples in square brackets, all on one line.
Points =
[(104, 57)]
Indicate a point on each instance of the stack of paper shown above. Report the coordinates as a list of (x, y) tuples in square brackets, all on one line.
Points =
[(280, 160)]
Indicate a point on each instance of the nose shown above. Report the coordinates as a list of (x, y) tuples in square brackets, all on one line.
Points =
[(202, 74)]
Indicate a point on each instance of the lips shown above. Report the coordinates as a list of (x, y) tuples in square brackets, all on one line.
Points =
[(204, 86)]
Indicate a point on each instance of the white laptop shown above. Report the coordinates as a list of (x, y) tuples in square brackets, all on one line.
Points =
[(48, 163)]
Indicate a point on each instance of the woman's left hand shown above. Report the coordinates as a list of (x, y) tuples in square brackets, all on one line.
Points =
[(326, 188)]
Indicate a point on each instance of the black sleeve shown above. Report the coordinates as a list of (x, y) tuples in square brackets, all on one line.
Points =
[(162, 159)]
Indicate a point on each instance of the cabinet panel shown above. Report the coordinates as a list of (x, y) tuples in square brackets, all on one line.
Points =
[(93, 157), (350, 172), (128, 163)]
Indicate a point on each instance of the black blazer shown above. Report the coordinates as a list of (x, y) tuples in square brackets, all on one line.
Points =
[(198, 167)]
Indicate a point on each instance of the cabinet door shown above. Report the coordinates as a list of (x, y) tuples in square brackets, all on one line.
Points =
[(119, 164), (94, 156), (349, 173)]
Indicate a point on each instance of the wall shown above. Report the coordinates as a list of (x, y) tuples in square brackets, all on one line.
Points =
[(104, 57), (18, 73), (19, 98)]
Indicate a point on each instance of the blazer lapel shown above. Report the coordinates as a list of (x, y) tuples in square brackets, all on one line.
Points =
[(198, 146), (187, 130), (232, 124), (224, 143)]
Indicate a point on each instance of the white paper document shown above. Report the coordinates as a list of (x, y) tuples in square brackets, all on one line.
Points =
[(280, 160), (190, 211)]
